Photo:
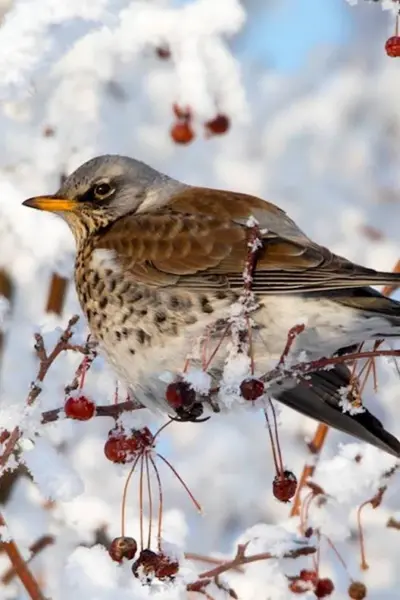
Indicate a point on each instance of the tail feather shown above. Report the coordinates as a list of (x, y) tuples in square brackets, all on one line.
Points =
[(319, 398)]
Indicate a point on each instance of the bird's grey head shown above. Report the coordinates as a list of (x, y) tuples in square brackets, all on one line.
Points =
[(106, 188)]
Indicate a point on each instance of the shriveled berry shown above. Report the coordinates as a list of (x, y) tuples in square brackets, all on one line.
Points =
[(182, 132), (154, 564), (79, 408), (284, 486), (357, 590), (122, 547), (142, 438), (218, 126), (251, 389), (324, 588), (392, 46), (180, 394), (145, 564), (167, 567)]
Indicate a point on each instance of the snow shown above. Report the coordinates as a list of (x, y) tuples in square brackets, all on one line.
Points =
[(51, 472), (323, 144)]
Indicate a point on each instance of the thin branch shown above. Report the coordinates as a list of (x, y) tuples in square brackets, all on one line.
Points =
[(46, 360), (315, 447), (21, 568), (241, 559), (35, 549)]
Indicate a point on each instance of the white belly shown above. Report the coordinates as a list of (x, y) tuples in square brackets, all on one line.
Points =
[(328, 327)]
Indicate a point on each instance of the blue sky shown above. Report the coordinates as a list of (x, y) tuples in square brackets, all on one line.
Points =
[(285, 35)]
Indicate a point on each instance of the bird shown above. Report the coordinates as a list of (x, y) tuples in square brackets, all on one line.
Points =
[(159, 262)]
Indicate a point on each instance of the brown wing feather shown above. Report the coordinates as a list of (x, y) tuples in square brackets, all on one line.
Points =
[(200, 241)]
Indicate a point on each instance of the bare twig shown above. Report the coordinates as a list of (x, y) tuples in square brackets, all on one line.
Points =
[(46, 360), (35, 549), (21, 568), (241, 559), (315, 447)]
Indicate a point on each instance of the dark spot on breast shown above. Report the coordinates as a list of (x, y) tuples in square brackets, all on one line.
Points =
[(142, 336), (111, 284), (132, 351), (136, 296), (160, 317), (95, 278), (124, 288), (143, 312), (205, 305), (103, 302), (174, 302), (221, 295), (124, 332), (118, 335)]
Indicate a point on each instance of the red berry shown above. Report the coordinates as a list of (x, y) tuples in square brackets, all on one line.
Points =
[(284, 486), (119, 448), (307, 575), (180, 394), (218, 126), (357, 590), (163, 52), (182, 133), (392, 46), (4, 435), (122, 547), (324, 588), (298, 587), (79, 408), (182, 113), (251, 389)]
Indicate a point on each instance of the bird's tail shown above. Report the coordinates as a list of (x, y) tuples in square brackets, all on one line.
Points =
[(319, 397)]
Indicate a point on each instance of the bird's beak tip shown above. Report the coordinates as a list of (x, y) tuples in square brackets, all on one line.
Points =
[(50, 203)]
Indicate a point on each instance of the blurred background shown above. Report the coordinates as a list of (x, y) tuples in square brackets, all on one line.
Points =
[(314, 126)]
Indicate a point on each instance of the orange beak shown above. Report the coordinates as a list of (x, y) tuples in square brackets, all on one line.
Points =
[(51, 203)]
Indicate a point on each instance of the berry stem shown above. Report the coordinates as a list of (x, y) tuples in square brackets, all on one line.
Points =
[(271, 437), (175, 472), (125, 494), (363, 565), (218, 346), (150, 500), (157, 433), (160, 502), (141, 502), (84, 369)]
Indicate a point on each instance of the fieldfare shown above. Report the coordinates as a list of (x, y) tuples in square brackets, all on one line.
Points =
[(159, 261)]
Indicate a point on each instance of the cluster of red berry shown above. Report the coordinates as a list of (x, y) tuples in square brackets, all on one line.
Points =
[(122, 447), (309, 580), (323, 587), (182, 131), (148, 565)]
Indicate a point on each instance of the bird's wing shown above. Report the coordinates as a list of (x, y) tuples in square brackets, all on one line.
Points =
[(200, 241)]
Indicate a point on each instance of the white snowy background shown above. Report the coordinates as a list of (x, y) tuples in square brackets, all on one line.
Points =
[(322, 141)]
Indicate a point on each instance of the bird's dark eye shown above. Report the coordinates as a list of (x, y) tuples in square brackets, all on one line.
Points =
[(102, 190)]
